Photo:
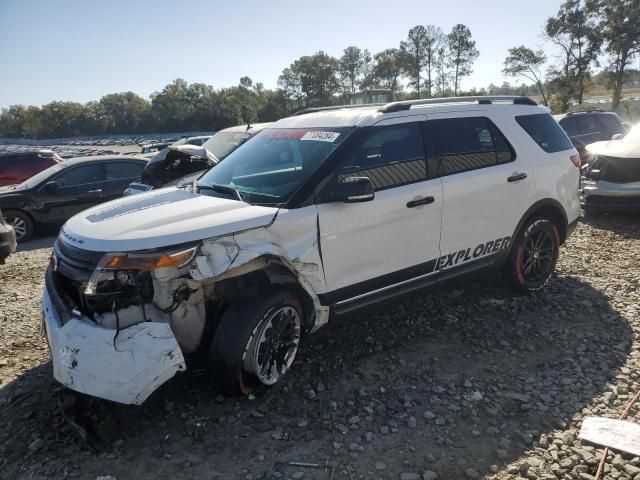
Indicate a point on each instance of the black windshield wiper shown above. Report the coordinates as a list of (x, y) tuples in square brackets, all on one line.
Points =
[(219, 188)]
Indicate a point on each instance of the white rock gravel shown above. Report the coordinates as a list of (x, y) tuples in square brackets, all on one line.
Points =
[(469, 381)]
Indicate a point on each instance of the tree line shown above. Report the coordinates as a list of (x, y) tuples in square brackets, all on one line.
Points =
[(429, 61), (582, 32)]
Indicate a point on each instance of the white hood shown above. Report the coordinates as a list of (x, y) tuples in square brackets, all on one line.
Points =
[(615, 148), (160, 218)]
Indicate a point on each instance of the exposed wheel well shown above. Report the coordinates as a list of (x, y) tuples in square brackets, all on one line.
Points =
[(271, 274)]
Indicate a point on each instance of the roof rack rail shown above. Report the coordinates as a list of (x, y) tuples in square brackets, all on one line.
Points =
[(337, 107), (481, 100), (588, 111)]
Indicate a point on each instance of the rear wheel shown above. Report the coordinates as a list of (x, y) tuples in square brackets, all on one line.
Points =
[(21, 223), (256, 342), (534, 256)]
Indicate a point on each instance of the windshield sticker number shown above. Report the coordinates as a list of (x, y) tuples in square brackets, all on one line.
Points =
[(319, 136)]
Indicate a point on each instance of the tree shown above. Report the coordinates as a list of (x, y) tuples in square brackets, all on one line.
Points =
[(527, 63), (618, 24), (291, 86), (122, 112), (415, 53), (352, 68), (387, 69), (316, 76), (433, 41), (576, 34), (462, 53), (443, 75)]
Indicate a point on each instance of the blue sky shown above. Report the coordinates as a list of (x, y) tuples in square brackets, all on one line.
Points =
[(82, 49)]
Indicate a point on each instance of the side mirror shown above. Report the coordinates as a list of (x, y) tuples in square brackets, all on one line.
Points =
[(617, 136), (349, 190), (52, 187)]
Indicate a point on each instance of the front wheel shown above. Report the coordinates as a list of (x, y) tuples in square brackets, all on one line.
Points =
[(534, 256), (256, 342), (21, 223)]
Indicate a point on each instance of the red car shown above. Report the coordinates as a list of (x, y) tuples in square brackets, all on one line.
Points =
[(18, 167)]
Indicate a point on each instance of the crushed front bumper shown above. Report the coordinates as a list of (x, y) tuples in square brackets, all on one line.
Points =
[(603, 195), (124, 368)]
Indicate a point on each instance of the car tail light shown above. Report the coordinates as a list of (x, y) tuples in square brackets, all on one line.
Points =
[(575, 159)]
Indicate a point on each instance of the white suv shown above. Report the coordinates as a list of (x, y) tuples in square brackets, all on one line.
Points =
[(318, 215)]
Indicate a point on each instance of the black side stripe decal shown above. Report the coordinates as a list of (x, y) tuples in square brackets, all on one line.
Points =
[(436, 265)]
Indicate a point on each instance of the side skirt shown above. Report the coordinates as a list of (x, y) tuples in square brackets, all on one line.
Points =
[(416, 284)]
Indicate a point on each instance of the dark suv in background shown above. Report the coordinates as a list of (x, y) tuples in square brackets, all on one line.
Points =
[(17, 167), (591, 126)]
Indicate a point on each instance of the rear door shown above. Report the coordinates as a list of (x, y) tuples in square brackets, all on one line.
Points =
[(118, 175), (487, 187), (375, 246)]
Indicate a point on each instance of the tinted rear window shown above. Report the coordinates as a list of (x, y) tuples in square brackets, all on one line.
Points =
[(545, 131)]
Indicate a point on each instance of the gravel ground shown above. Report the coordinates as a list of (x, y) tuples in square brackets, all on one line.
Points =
[(469, 381)]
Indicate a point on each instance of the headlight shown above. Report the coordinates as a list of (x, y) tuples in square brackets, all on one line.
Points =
[(118, 265)]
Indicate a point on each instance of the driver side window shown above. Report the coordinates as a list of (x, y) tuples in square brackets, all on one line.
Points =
[(391, 156)]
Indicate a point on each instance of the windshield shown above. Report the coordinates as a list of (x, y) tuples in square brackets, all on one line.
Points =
[(269, 168), (633, 135), (223, 143), (42, 176)]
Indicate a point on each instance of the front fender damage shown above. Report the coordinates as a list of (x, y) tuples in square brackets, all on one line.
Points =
[(252, 250), (124, 354)]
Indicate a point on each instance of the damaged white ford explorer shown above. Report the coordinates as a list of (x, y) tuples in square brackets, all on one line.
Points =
[(318, 215)]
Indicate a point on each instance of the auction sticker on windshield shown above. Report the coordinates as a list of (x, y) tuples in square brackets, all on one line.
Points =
[(320, 136)]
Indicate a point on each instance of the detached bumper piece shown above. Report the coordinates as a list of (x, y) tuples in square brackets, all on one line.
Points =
[(125, 367)]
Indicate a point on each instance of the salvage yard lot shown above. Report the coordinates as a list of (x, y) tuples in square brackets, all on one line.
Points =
[(466, 381)]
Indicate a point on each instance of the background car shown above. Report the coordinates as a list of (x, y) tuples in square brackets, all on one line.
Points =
[(59, 192), (17, 167), (7, 239), (612, 171), (591, 126), (185, 162)]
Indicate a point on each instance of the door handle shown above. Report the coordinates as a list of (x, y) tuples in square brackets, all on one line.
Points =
[(517, 176), (95, 191), (421, 201)]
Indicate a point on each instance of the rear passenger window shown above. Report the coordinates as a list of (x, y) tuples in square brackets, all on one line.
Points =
[(462, 144), (569, 125), (545, 131), (587, 124), (612, 122), (120, 170), (390, 156)]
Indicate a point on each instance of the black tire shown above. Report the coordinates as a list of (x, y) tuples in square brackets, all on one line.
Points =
[(234, 341), (534, 256), (21, 222)]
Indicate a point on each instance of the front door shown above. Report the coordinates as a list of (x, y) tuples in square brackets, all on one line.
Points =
[(78, 188), (371, 246)]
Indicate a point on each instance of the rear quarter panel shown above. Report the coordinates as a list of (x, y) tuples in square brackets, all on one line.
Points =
[(555, 176)]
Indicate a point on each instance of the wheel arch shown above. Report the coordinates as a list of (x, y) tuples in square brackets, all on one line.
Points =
[(548, 208), (274, 272)]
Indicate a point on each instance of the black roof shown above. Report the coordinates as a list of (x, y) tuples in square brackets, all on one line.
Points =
[(96, 158)]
